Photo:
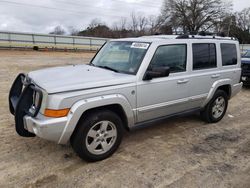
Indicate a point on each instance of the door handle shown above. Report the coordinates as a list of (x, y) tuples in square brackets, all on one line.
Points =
[(215, 76), (183, 81)]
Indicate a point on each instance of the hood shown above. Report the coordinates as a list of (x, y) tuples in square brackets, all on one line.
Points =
[(77, 77), (245, 60)]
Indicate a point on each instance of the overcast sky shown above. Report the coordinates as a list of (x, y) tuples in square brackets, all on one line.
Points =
[(42, 16)]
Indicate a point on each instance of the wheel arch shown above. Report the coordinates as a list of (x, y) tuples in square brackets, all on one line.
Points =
[(227, 89), (225, 85), (115, 103)]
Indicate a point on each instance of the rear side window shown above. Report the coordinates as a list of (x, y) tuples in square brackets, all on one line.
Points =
[(174, 56), (204, 56), (229, 54)]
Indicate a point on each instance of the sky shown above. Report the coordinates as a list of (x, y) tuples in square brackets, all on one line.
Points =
[(44, 15)]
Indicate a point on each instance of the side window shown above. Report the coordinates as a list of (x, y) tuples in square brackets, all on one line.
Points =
[(229, 54), (204, 56), (173, 56)]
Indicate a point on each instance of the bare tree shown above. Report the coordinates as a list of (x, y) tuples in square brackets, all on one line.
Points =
[(134, 22), (142, 23), (58, 30), (120, 25), (243, 19), (138, 23), (72, 31), (95, 22), (194, 15), (155, 23), (123, 23)]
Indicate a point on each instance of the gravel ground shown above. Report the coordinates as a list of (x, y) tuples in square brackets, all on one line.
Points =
[(179, 152)]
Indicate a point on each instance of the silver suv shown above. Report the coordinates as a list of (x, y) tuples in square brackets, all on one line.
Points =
[(128, 83)]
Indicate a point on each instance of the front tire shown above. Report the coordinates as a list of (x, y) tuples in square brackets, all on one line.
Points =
[(216, 108), (98, 135)]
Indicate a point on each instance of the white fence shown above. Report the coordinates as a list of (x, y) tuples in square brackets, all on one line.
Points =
[(41, 41)]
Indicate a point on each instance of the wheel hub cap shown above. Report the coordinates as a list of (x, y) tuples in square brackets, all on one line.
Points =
[(101, 137), (218, 107)]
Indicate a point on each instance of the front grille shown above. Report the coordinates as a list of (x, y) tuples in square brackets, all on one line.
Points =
[(15, 92), (23, 92), (22, 102), (245, 69)]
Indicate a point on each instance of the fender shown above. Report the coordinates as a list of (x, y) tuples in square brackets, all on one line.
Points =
[(214, 87), (83, 105)]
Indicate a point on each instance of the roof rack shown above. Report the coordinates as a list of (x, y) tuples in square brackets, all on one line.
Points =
[(204, 37), (201, 35), (161, 36)]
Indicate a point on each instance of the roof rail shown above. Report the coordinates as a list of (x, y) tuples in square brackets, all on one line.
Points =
[(185, 36), (188, 36), (161, 36)]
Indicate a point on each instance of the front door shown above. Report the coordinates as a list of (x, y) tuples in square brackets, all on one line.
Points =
[(167, 95)]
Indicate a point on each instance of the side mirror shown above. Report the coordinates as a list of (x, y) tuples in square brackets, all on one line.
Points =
[(156, 72)]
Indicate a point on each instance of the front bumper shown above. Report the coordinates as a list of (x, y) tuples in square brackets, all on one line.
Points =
[(28, 121), (22, 102), (47, 128), (245, 79), (245, 74)]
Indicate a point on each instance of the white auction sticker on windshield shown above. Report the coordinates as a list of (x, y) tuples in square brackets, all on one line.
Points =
[(140, 45)]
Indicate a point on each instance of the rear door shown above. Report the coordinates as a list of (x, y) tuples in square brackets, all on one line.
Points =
[(204, 71)]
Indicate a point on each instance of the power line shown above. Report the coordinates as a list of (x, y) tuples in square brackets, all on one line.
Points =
[(67, 10), (146, 3), (85, 4), (91, 5), (53, 8)]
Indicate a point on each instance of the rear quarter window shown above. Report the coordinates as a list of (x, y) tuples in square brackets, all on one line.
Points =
[(229, 54)]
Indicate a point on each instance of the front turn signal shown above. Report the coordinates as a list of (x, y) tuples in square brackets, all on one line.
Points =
[(56, 113)]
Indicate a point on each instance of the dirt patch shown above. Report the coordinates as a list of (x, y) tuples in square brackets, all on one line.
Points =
[(245, 149), (221, 168), (44, 181), (217, 142)]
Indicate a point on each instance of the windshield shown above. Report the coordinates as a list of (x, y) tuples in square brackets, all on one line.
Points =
[(121, 56), (247, 54)]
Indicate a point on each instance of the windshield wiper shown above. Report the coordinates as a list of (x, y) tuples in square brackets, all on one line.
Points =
[(91, 64), (106, 67)]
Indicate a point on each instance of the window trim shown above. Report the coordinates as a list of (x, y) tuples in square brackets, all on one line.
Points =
[(216, 61), (186, 51), (222, 56)]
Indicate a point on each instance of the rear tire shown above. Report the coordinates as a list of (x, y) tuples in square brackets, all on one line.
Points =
[(215, 110), (98, 135)]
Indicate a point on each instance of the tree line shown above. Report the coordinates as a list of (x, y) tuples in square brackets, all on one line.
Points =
[(176, 17)]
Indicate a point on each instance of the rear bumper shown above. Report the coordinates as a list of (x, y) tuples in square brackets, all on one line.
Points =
[(236, 88), (46, 128)]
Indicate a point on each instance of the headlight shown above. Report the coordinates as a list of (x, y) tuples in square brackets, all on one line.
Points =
[(36, 100)]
